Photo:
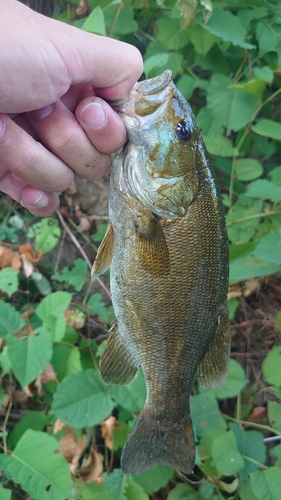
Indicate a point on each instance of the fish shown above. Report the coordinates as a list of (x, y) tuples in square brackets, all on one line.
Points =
[(167, 249)]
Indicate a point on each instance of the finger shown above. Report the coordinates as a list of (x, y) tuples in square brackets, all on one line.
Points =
[(30, 160), (39, 203), (102, 125), (63, 135)]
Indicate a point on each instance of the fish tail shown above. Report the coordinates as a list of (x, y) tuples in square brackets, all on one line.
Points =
[(152, 441)]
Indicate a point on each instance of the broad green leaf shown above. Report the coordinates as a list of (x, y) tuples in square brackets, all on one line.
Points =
[(96, 305), (81, 399), (276, 452), (201, 39), (269, 247), (35, 420), (241, 232), (29, 356), (247, 169), (228, 27), (275, 176), (131, 397), (95, 22), (10, 319), (220, 146), (55, 326), (125, 23), (5, 493), (245, 490), (262, 188), (271, 366), (182, 492), (46, 233), (54, 304), (234, 383), (250, 266), (211, 128), (268, 128), (186, 85), (113, 488), (155, 478), (232, 305), (205, 414), (42, 283), (274, 414), (134, 491), (265, 74), (156, 61), (226, 456), (267, 39), (252, 448), (171, 35), (66, 360), (9, 282), (5, 362), (266, 484), (206, 491), (39, 467), (121, 434), (75, 277), (255, 86)]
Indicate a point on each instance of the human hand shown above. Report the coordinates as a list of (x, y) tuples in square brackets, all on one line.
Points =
[(54, 120)]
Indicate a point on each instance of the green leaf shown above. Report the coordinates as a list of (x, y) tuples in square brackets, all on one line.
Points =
[(131, 397), (242, 231), (262, 188), (232, 305), (35, 420), (247, 169), (251, 446), (269, 247), (245, 490), (234, 383), (66, 360), (96, 305), (275, 176), (205, 414), (38, 466), (171, 35), (75, 277), (81, 400), (220, 146), (250, 266), (155, 478), (274, 414), (201, 39), (276, 452), (125, 23), (255, 87), (10, 319), (265, 74), (267, 39), (227, 458), (268, 128), (156, 61), (210, 127), (29, 356), (54, 304), (182, 492), (228, 27), (134, 491), (271, 366), (42, 283), (9, 282), (113, 488), (55, 326), (266, 484), (5, 494), (95, 22), (186, 85), (46, 233)]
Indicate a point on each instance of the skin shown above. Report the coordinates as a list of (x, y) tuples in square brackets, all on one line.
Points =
[(54, 121)]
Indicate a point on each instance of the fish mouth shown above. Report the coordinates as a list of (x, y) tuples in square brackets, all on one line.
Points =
[(147, 98)]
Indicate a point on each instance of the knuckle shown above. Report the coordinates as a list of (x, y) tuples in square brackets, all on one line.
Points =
[(64, 139), (23, 159)]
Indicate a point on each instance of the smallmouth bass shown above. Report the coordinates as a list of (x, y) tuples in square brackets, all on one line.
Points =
[(167, 247)]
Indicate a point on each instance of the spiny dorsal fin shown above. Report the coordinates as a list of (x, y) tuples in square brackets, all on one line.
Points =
[(104, 254), (151, 244)]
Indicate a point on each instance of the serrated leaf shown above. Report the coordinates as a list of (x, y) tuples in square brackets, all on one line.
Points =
[(29, 356), (262, 188), (37, 466), (266, 484), (186, 85), (75, 277), (205, 414), (228, 27), (201, 39), (274, 414), (134, 491), (96, 305), (234, 383), (269, 247), (171, 35), (247, 169), (156, 61), (95, 22), (182, 492), (250, 266), (268, 128), (125, 23), (226, 456), (155, 478), (46, 233), (9, 282), (255, 86), (81, 399), (271, 366), (54, 304), (10, 319), (250, 445), (131, 397), (220, 146)]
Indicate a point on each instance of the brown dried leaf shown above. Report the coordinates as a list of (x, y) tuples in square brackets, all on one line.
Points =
[(72, 449), (93, 468), (74, 318), (258, 414), (27, 266), (58, 426), (46, 376), (250, 286), (84, 8), (30, 254), (9, 258), (72, 189), (107, 428), (85, 224), (233, 292)]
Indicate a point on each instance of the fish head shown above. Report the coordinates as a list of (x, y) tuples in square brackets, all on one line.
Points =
[(160, 161)]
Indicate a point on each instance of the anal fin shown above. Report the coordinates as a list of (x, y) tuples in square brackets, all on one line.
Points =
[(104, 254), (117, 365), (213, 367)]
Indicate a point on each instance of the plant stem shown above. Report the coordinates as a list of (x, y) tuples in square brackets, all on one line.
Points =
[(262, 466), (238, 407), (117, 13), (256, 216), (253, 424)]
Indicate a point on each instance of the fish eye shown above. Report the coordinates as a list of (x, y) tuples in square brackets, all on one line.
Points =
[(183, 130)]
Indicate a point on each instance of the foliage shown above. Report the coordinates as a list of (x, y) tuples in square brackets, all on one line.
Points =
[(226, 59)]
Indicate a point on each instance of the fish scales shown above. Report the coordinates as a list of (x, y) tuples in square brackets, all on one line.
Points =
[(169, 273)]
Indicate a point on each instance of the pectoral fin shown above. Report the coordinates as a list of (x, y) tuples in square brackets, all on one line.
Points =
[(151, 244), (117, 365), (212, 369), (104, 254)]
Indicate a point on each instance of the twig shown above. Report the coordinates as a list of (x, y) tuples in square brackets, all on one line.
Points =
[(84, 255)]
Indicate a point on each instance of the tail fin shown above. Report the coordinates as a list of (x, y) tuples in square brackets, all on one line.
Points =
[(155, 441)]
